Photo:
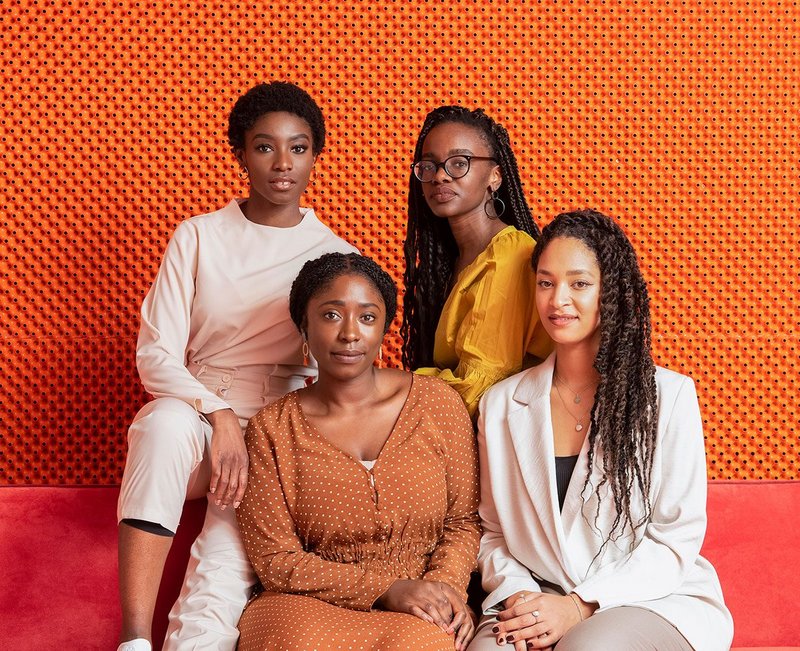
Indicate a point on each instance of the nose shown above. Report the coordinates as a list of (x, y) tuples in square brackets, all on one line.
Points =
[(349, 329), (441, 176), (561, 294), (282, 161)]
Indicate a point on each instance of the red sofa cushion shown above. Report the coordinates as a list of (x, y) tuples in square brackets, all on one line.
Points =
[(58, 554), (753, 541)]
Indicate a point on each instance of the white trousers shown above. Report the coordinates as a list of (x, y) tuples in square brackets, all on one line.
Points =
[(168, 444)]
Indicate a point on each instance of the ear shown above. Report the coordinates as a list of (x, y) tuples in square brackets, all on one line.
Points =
[(239, 153), (495, 178)]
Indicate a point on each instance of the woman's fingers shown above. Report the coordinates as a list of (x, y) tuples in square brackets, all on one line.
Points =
[(418, 612)]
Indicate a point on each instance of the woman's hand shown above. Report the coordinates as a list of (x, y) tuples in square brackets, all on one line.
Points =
[(229, 460), (538, 620), (432, 601)]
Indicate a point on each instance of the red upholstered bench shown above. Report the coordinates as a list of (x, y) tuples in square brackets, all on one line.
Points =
[(58, 564)]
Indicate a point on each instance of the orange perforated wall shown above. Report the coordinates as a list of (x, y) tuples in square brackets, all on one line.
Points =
[(679, 118)]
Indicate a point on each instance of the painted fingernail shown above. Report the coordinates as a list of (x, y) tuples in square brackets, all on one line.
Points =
[(236, 505), (495, 629), (510, 638)]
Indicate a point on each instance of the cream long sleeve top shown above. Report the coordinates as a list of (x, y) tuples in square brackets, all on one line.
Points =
[(221, 298)]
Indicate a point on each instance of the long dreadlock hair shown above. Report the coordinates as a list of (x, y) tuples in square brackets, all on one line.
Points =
[(430, 248), (625, 413)]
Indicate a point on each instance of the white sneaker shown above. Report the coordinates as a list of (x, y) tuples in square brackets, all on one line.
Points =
[(139, 644)]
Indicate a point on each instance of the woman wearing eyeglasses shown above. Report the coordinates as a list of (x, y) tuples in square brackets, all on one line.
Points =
[(469, 315)]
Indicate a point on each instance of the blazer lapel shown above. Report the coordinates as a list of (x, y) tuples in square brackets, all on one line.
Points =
[(531, 432)]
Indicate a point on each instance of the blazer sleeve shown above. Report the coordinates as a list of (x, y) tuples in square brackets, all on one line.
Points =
[(165, 325), (273, 546), (501, 573), (453, 559), (672, 538), (494, 336)]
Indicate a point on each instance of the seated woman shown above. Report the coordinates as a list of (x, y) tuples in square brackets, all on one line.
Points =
[(468, 314), (593, 476), (360, 515)]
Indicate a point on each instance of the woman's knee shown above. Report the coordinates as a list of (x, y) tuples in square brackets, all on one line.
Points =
[(166, 426)]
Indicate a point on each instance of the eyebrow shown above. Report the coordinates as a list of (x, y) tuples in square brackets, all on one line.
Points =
[(452, 152), (572, 272), (340, 302)]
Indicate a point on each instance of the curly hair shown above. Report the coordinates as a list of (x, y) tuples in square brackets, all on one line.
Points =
[(317, 275), (625, 414), (274, 97), (430, 248)]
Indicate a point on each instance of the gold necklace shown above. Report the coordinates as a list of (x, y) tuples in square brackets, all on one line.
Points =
[(577, 394), (578, 421)]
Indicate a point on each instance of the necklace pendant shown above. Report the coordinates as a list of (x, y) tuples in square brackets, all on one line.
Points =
[(577, 399), (578, 427)]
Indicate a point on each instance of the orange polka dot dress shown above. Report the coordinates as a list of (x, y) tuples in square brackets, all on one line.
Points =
[(327, 536)]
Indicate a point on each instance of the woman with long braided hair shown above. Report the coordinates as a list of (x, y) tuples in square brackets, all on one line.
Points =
[(593, 476), (468, 312)]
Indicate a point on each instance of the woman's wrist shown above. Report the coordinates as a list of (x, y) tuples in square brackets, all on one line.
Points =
[(583, 608)]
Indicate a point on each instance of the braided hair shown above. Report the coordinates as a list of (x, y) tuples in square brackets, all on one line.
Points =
[(625, 413), (430, 248)]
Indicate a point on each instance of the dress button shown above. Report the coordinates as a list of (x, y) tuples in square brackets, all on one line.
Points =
[(226, 378)]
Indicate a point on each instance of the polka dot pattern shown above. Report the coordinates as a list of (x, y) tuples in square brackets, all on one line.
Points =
[(317, 523)]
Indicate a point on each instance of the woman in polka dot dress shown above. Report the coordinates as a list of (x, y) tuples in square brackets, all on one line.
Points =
[(360, 516)]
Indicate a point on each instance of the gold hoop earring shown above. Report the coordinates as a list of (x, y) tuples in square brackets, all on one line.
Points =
[(244, 174), (305, 353)]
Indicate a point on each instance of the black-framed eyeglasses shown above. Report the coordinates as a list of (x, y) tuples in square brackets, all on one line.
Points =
[(454, 166)]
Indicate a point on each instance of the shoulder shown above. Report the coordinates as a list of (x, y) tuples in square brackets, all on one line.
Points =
[(194, 227), (673, 387), (436, 397), (511, 243), (270, 422), (312, 224)]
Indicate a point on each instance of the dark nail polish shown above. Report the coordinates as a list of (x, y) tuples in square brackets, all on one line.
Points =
[(510, 638), (495, 629)]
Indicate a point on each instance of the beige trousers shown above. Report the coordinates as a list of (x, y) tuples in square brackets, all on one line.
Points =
[(626, 627), (168, 443)]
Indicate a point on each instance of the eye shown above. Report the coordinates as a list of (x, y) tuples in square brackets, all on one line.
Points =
[(299, 149), (368, 318), (458, 163), (330, 315), (544, 284), (581, 284), (263, 148)]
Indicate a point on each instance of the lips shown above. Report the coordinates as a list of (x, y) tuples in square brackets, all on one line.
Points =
[(282, 183), (562, 319), (442, 194), (348, 356)]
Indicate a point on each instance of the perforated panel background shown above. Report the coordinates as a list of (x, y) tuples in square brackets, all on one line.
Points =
[(679, 118)]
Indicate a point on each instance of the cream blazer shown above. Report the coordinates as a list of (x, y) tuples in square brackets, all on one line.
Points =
[(528, 544)]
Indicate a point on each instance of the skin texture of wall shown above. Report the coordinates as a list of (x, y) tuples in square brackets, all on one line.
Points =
[(678, 118)]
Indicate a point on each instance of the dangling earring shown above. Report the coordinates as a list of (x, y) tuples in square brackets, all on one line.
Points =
[(494, 206), (305, 352), (243, 173), (380, 357)]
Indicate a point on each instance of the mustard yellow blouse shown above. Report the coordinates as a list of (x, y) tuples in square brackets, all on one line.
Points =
[(489, 327)]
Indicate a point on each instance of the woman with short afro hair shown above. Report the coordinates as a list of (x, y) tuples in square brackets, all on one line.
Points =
[(216, 344)]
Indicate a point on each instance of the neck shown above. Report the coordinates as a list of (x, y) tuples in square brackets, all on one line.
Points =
[(260, 211), (472, 233), (347, 394), (575, 363)]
